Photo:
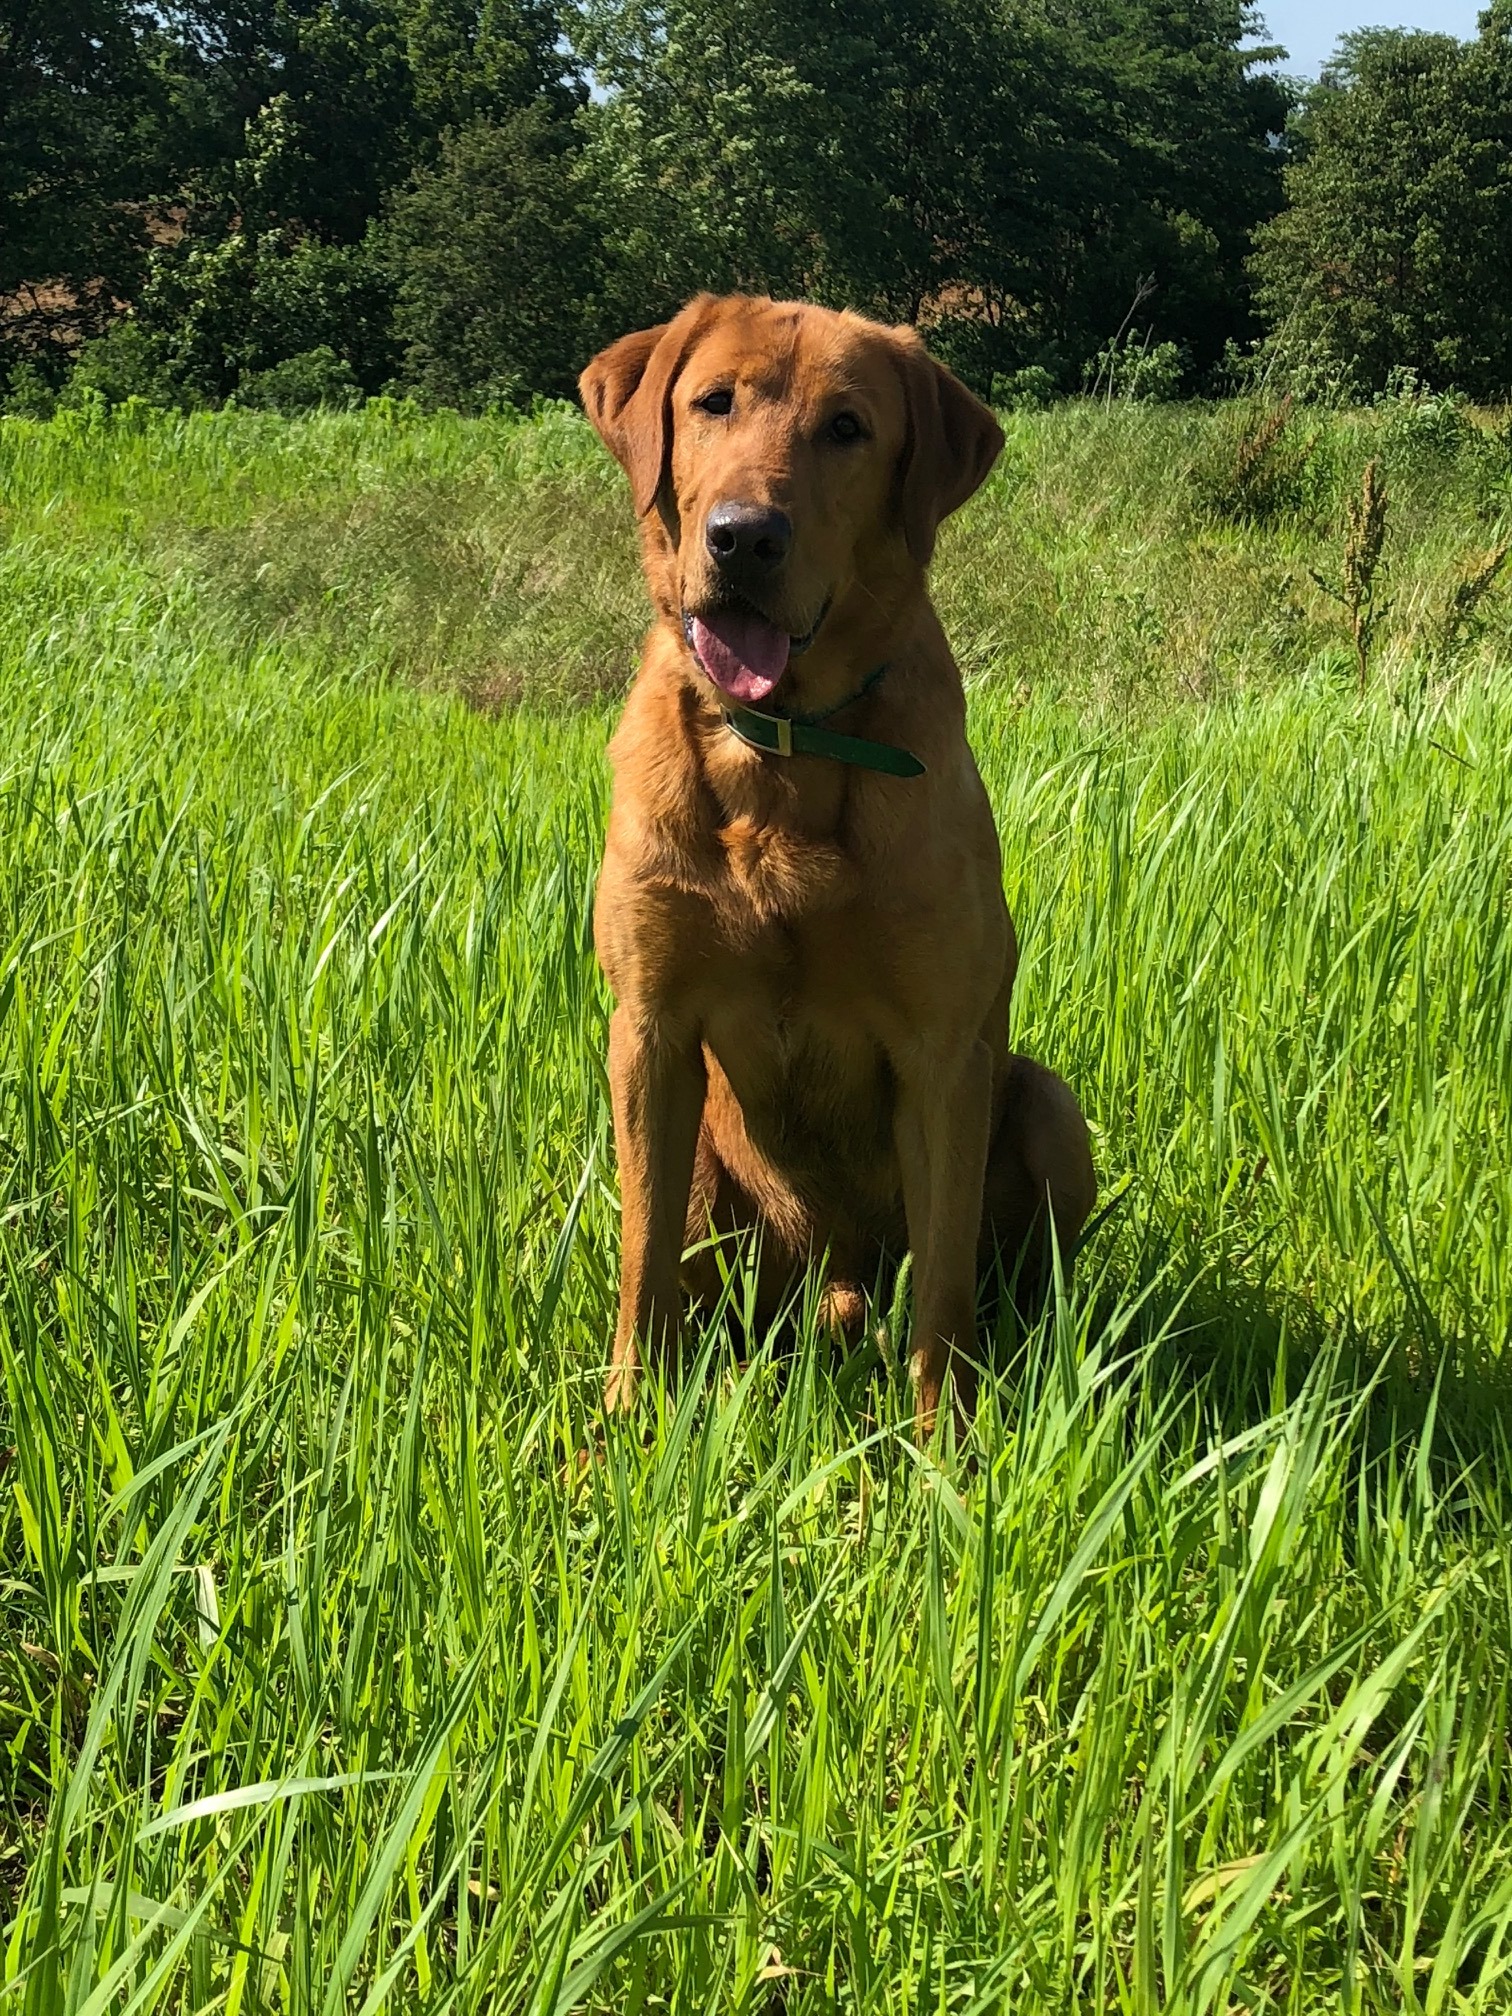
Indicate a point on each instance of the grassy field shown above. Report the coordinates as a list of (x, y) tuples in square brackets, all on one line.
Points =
[(328, 1684)]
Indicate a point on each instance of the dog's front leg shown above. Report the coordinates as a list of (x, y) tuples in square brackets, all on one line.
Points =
[(657, 1082), (942, 1124)]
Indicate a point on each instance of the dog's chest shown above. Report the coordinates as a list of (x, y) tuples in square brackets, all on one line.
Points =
[(771, 876), (796, 1035)]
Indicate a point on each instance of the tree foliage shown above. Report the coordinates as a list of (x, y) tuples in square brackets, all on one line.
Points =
[(492, 249), (80, 116), (1395, 249), (428, 190), (1012, 170)]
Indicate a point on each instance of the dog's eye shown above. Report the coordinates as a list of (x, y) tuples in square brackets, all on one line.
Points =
[(717, 402), (845, 427)]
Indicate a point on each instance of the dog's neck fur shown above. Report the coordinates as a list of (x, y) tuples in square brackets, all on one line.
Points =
[(785, 838)]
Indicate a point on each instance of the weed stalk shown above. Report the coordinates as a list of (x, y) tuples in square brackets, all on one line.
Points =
[(1364, 549)]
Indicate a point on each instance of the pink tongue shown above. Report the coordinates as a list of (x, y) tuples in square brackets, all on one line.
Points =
[(743, 654)]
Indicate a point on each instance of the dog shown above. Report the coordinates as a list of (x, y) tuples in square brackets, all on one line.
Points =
[(800, 912)]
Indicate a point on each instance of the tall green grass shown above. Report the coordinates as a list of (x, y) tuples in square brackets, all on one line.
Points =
[(329, 1680), (498, 557)]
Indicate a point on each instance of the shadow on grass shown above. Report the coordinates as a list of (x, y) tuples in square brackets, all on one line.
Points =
[(1244, 1351)]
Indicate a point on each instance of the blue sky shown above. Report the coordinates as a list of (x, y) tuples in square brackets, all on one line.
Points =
[(1309, 28)]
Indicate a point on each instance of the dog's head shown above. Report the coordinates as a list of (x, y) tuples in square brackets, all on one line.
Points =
[(791, 466)]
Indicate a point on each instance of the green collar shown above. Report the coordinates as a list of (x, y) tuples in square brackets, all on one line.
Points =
[(801, 735)]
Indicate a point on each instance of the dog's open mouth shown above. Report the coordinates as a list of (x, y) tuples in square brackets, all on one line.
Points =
[(742, 652)]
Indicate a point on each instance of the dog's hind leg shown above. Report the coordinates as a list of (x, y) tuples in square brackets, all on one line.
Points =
[(721, 1212), (1039, 1170)]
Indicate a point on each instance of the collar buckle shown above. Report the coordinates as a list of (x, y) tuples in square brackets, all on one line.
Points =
[(801, 735)]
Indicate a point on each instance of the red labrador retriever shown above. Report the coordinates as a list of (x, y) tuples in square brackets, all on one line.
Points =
[(801, 910)]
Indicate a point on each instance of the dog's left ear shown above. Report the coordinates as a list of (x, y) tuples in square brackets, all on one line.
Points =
[(951, 443), (627, 394)]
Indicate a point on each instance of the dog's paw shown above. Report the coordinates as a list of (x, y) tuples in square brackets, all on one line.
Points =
[(842, 1310)]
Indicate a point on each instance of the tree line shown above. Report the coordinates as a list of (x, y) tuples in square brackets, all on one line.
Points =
[(285, 201)]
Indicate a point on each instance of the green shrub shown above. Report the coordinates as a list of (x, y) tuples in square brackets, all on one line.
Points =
[(1023, 391), (228, 310), (1422, 421), (1255, 469), (315, 377), (1136, 370), (971, 347), (127, 362), (29, 394)]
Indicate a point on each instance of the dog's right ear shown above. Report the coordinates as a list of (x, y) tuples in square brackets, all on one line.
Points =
[(627, 394)]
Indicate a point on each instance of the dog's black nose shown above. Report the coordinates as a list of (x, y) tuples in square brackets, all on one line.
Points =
[(747, 538)]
